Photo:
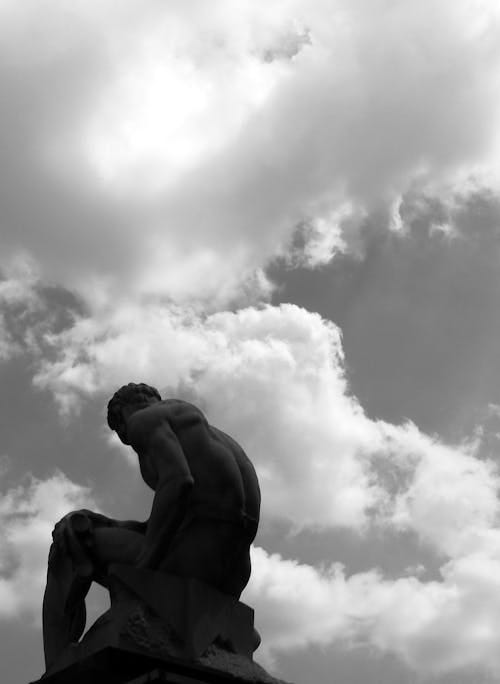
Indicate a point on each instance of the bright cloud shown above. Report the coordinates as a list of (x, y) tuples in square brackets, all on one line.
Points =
[(435, 627), (274, 377), (452, 499), (178, 148), (177, 151), (270, 376)]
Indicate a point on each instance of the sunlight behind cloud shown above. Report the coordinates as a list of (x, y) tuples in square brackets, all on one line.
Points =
[(163, 115), (175, 129), (158, 157)]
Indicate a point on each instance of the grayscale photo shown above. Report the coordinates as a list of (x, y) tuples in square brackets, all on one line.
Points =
[(249, 342)]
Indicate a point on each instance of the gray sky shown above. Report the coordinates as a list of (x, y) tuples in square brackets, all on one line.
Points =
[(289, 215), (419, 313)]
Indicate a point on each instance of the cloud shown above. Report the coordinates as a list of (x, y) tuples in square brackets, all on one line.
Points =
[(270, 376), (434, 627), (28, 513), (177, 149), (30, 309), (175, 153), (452, 498), (419, 311), (20, 305), (274, 378)]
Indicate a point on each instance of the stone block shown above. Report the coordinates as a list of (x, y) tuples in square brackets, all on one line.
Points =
[(164, 624)]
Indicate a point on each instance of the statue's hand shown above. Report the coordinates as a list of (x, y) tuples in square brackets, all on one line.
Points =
[(95, 519), (81, 521), (73, 538)]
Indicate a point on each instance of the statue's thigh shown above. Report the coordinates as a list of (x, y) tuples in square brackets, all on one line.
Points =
[(116, 545)]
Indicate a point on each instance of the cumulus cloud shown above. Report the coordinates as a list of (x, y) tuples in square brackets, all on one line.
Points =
[(435, 627), (177, 149), (274, 377), (451, 497), (270, 376)]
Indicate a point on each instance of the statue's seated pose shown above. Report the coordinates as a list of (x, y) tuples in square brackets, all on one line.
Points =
[(204, 516)]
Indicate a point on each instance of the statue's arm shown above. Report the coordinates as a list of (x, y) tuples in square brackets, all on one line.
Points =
[(172, 490), (132, 525), (100, 520)]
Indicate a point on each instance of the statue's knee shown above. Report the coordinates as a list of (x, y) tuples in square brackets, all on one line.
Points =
[(60, 525)]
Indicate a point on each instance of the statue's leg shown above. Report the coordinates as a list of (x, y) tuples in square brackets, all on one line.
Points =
[(70, 573), (114, 545), (64, 611)]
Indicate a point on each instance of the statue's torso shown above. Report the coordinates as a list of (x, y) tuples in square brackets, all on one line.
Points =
[(224, 478)]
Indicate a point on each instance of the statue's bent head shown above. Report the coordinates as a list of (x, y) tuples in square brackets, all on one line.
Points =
[(134, 395)]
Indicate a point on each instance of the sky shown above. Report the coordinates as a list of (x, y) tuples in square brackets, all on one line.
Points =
[(287, 213)]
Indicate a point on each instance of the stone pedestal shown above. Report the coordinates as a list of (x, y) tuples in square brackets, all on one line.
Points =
[(167, 628), (113, 665)]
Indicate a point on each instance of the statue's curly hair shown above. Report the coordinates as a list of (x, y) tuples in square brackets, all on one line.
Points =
[(133, 393)]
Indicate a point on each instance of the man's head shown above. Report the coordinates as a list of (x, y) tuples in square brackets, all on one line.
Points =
[(126, 400)]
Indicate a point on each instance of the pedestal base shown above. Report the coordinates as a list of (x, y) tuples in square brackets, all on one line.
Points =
[(121, 666), (177, 628)]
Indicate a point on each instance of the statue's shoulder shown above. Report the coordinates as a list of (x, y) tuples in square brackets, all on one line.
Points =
[(176, 405), (178, 411), (175, 414)]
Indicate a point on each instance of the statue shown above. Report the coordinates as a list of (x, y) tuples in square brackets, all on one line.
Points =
[(203, 519)]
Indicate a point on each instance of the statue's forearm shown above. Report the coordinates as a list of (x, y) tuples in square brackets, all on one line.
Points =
[(100, 520), (165, 468), (169, 508), (133, 525)]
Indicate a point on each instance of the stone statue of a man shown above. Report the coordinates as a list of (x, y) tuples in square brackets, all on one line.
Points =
[(204, 516)]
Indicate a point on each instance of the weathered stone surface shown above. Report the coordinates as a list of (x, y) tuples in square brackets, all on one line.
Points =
[(166, 617), (120, 666), (196, 615)]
